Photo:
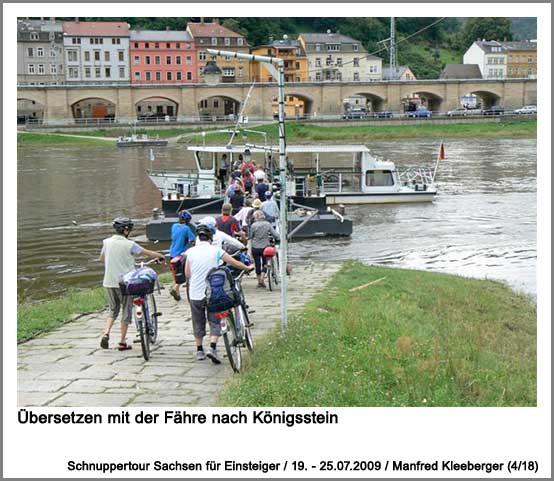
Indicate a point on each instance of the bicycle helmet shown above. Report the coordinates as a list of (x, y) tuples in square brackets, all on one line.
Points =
[(269, 251), (268, 194), (209, 221), (205, 231), (184, 214), (122, 223)]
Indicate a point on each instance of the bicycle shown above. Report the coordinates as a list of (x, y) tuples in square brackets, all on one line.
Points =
[(145, 313), (271, 256), (235, 326)]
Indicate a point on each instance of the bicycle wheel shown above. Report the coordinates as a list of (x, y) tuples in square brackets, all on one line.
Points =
[(153, 314), (269, 276), (232, 345), (275, 269), (248, 339), (144, 337)]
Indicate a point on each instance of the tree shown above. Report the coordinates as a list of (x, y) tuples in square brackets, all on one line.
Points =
[(489, 28)]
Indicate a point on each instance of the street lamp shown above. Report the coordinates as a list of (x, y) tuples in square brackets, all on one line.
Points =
[(276, 67), (212, 73)]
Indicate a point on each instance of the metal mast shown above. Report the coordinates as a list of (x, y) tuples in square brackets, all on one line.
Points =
[(392, 51)]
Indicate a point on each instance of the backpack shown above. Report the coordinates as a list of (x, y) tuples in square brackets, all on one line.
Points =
[(139, 282), (230, 226), (221, 294)]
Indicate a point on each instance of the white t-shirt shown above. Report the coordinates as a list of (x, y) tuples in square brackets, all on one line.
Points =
[(221, 238), (119, 258), (259, 174), (202, 258)]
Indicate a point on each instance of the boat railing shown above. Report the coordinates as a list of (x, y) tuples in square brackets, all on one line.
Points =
[(329, 182), (416, 175), (189, 173)]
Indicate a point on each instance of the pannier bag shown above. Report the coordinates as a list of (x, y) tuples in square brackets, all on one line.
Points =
[(221, 294), (139, 282), (177, 267)]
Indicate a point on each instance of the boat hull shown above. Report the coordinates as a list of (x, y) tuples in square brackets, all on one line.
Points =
[(389, 198)]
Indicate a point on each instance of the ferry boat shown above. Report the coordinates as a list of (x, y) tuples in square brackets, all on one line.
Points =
[(138, 140), (335, 174)]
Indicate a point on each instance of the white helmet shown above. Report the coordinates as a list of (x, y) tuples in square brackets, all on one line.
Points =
[(209, 221)]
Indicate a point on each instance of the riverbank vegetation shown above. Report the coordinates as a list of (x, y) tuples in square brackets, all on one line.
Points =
[(410, 338)]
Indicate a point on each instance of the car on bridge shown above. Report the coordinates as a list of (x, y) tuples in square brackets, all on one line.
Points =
[(355, 113), (385, 114), (494, 110), (419, 112), (527, 109), (461, 112)]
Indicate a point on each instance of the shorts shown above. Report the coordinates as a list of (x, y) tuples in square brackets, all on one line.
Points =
[(118, 302), (199, 316)]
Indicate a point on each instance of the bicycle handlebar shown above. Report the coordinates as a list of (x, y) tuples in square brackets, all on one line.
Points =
[(151, 261)]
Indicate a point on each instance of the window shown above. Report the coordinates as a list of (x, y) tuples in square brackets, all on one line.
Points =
[(356, 76), (169, 76), (34, 36), (339, 61), (53, 69), (355, 47), (379, 178), (240, 42), (97, 55), (106, 56), (189, 75), (121, 55), (188, 46), (136, 45), (156, 45), (373, 69), (530, 59), (214, 40), (147, 60), (317, 47), (228, 72), (73, 72), (146, 45), (178, 76), (297, 65), (298, 79), (52, 52), (216, 104), (168, 60), (203, 104), (178, 45), (227, 41), (334, 47), (178, 60), (116, 41), (201, 55), (97, 72), (108, 72), (529, 72), (355, 62), (329, 61), (157, 60), (167, 45), (241, 71), (318, 62), (121, 72), (137, 75), (40, 52), (72, 55), (158, 76), (148, 76), (318, 76), (30, 52), (31, 68), (87, 72)]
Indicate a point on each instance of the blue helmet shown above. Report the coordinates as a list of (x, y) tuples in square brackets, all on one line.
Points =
[(245, 258), (184, 214), (268, 194)]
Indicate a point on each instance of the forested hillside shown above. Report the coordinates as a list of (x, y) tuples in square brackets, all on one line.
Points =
[(426, 53)]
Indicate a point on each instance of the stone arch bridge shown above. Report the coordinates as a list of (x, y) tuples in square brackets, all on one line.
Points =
[(320, 98)]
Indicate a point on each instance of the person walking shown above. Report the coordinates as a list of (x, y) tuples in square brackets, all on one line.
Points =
[(182, 237), (118, 255), (260, 235), (223, 170), (256, 206), (237, 198), (270, 208), (220, 238), (261, 188), (200, 260), (226, 222)]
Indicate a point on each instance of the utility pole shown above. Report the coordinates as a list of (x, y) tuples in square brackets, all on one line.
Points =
[(392, 51)]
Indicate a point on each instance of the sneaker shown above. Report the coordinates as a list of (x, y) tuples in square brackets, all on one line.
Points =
[(174, 294), (200, 355), (105, 342), (214, 356)]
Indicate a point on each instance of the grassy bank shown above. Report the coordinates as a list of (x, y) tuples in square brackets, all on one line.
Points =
[(298, 132), (150, 131), (37, 317), (412, 339), (32, 138)]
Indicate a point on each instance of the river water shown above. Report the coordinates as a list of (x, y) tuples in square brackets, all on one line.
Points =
[(482, 224)]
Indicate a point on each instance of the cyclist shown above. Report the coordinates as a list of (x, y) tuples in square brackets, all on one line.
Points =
[(259, 234), (200, 260), (220, 238), (270, 208), (182, 237), (118, 255), (226, 222)]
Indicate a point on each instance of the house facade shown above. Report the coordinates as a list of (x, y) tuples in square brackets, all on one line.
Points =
[(402, 72), (96, 52), (213, 35), (162, 57), (291, 51), (40, 52), (490, 56), (521, 59), (336, 57)]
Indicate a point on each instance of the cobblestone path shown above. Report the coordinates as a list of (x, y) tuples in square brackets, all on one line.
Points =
[(67, 367)]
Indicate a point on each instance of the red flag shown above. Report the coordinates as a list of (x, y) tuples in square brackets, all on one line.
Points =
[(442, 156)]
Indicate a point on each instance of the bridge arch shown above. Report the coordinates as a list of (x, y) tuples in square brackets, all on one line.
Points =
[(218, 107), (431, 100), (156, 106), (29, 110), (93, 108), (371, 101), (487, 98), (296, 105)]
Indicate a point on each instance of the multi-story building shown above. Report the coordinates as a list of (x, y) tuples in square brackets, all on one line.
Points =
[(162, 57), (96, 52), (213, 35), (490, 56), (295, 60), (40, 52), (332, 56), (522, 59)]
